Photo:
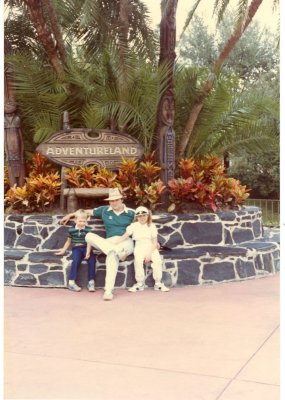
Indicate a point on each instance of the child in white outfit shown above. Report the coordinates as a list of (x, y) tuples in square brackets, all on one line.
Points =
[(144, 233)]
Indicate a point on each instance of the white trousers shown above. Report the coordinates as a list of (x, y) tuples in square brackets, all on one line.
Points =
[(112, 260), (141, 250)]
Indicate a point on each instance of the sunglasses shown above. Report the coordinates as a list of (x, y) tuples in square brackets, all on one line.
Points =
[(141, 213)]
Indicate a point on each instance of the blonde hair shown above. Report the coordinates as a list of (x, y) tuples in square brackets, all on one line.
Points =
[(81, 214), (149, 218)]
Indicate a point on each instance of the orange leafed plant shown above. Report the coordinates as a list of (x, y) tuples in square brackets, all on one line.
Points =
[(150, 195), (40, 165), (81, 177), (37, 194), (148, 171), (105, 178), (186, 167)]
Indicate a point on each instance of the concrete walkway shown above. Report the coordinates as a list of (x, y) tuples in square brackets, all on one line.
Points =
[(218, 342)]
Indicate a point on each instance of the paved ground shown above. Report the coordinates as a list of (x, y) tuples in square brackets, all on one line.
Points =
[(217, 342)]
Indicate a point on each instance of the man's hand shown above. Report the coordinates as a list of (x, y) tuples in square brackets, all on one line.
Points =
[(87, 256), (64, 220), (60, 253), (147, 258)]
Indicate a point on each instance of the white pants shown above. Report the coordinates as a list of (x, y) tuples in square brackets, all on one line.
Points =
[(112, 260), (141, 250)]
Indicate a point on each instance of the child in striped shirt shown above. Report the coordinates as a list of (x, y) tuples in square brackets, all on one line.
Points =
[(80, 250)]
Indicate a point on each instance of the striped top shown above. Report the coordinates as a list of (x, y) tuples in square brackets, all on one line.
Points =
[(78, 235), (115, 224)]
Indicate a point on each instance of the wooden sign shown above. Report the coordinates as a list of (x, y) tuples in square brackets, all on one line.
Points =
[(77, 148)]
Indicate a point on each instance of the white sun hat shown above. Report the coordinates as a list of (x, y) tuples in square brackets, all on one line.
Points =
[(114, 194), (141, 210)]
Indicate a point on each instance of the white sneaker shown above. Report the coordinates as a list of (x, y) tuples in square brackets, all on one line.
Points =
[(108, 295), (161, 287), (91, 286), (74, 287), (138, 287)]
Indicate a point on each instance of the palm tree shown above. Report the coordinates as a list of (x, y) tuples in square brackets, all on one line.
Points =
[(49, 35), (104, 59), (231, 121), (107, 73), (245, 16)]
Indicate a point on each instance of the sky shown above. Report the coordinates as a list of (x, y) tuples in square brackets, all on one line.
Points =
[(264, 14)]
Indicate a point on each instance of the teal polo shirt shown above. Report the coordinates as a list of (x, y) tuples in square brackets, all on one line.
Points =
[(115, 225)]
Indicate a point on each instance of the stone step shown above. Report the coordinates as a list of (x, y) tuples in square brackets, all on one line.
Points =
[(191, 265)]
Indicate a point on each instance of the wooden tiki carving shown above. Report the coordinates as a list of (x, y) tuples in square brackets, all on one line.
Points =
[(166, 109), (13, 138)]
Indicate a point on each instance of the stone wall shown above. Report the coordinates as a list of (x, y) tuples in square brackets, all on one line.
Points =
[(203, 249)]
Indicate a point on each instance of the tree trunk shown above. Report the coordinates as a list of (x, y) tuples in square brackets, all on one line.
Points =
[(199, 104), (123, 47), (35, 9), (124, 20), (56, 29)]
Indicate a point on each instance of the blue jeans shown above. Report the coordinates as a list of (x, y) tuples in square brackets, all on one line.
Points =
[(78, 253)]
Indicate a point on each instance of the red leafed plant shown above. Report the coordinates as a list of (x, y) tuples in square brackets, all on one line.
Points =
[(135, 177), (204, 182), (127, 177), (149, 195), (40, 165), (201, 184)]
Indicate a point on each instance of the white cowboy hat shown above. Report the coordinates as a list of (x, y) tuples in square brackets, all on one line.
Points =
[(114, 194), (141, 210)]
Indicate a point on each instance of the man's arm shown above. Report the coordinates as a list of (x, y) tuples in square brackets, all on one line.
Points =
[(121, 238), (67, 217)]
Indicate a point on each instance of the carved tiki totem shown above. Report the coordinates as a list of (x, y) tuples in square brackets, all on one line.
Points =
[(166, 109), (13, 138)]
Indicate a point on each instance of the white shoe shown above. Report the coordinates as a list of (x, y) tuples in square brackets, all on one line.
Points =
[(74, 287), (91, 286), (137, 288), (108, 295), (161, 287)]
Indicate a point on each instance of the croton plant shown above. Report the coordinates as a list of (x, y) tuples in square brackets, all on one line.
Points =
[(202, 182)]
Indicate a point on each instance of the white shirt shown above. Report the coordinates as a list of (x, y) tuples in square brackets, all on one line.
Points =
[(142, 232)]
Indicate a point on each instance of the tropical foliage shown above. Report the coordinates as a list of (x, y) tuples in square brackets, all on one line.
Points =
[(260, 172), (202, 181), (98, 60), (96, 85), (38, 194), (109, 75)]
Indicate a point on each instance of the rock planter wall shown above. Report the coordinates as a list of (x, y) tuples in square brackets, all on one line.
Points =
[(206, 249)]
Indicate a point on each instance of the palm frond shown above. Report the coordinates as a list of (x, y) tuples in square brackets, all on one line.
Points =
[(235, 123), (189, 17), (40, 96)]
